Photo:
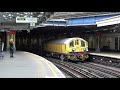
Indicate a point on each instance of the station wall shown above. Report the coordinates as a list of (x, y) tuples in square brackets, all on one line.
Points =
[(110, 41), (92, 40), (107, 41)]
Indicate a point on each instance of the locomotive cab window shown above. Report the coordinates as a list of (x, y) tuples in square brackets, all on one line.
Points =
[(82, 43), (71, 44)]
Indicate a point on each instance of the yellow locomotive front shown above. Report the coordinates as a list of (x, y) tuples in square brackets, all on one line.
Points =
[(75, 49)]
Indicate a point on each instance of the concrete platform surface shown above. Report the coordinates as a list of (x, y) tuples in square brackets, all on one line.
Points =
[(27, 65)]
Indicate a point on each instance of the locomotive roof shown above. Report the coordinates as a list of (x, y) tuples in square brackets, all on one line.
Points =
[(63, 41)]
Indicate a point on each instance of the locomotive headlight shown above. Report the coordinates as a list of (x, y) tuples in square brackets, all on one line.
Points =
[(86, 49), (73, 49)]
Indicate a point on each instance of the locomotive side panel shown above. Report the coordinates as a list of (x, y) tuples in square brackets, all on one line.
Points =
[(58, 48)]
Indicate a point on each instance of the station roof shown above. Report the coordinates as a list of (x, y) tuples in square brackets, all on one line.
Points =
[(8, 18), (66, 15), (42, 16)]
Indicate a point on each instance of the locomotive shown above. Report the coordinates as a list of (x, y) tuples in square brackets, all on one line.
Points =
[(75, 49)]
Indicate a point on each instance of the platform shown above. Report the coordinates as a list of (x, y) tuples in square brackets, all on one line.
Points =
[(107, 54), (27, 65)]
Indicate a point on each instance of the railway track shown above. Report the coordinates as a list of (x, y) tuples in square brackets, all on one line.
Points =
[(71, 72), (108, 71), (113, 62), (85, 70), (74, 71)]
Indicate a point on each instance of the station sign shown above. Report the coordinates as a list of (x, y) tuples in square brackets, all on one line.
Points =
[(26, 20)]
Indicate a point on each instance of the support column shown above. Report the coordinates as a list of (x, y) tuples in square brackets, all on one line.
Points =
[(7, 42), (10, 34), (14, 40), (98, 42)]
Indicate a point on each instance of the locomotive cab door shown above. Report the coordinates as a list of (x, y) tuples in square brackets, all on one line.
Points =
[(82, 45), (77, 45), (71, 46)]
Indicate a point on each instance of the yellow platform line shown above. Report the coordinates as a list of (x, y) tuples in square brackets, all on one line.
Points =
[(53, 71)]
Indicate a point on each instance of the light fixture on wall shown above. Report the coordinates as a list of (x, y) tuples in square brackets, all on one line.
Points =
[(2, 30), (114, 30), (28, 30)]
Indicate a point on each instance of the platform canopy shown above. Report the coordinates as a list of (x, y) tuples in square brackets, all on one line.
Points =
[(67, 15), (8, 19), (77, 18), (108, 21)]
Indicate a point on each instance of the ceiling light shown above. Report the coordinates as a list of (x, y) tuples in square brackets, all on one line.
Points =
[(25, 13), (9, 15), (21, 14), (39, 15), (31, 13), (4, 16), (26, 16), (41, 12)]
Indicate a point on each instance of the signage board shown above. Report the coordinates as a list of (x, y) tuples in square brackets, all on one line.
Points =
[(26, 20)]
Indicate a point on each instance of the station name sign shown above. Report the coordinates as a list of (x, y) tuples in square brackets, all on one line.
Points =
[(26, 20)]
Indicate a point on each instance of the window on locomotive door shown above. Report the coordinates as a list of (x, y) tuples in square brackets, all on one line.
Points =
[(75, 42), (71, 44), (82, 43)]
